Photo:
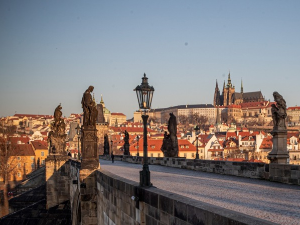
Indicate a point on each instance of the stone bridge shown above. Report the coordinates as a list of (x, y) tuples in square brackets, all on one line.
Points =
[(184, 192)]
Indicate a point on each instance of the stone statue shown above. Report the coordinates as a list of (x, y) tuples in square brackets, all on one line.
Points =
[(170, 142), (106, 145), (126, 143), (89, 108), (279, 153), (279, 112), (57, 135)]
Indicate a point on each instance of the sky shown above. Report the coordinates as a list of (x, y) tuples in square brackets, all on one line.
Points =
[(51, 51)]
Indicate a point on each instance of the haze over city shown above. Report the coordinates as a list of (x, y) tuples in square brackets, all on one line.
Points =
[(50, 52)]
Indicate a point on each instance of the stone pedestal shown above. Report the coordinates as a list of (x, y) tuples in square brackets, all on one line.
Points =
[(89, 148), (279, 153), (89, 164), (126, 149), (57, 180)]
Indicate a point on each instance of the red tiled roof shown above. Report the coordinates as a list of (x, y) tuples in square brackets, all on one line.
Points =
[(254, 105), (23, 150), (117, 114), (234, 106), (266, 143), (39, 145), (23, 140), (293, 108), (130, 129)]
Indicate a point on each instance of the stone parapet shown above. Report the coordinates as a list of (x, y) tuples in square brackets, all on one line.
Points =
[(121, 201), (283, 173)]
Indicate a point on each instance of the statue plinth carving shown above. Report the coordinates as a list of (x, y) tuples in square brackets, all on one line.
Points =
[(57, 136), (89, 132), (170, 142), (279, 153)]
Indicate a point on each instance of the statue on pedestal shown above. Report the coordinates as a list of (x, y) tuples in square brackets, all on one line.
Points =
[(90, 111), (126, 143), (57, 136), (170, 142), (279, 112), (89, 132), (279, 153)]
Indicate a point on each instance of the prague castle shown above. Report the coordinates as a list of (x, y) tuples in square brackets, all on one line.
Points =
[(229, 96)]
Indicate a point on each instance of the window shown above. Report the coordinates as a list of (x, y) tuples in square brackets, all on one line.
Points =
[(19, 158), (32, 157), (158, 155), (19, 165), (42, 153), (43, 162), (32, 166), (193, 155), (186, 146), (19, 174), (151, 154), (185, 154)]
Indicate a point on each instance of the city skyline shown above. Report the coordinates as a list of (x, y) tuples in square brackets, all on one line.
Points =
[(50, 52)]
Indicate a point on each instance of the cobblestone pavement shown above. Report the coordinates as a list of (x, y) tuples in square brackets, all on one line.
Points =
[(276, 202)]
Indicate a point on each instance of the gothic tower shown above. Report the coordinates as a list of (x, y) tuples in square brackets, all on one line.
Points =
[(228, 92), (217, 100)]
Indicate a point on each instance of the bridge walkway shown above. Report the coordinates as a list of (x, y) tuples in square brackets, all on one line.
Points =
[(275, 202)]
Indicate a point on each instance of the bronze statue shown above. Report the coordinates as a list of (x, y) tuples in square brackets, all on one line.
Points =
[(89, 108), (126, 143), (279, 112), (170, 142)]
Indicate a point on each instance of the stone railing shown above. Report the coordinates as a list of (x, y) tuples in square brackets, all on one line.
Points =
[(283, 173), (121, 201)]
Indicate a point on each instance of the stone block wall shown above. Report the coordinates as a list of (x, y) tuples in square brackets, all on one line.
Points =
[(121, 201), (57, 180), (283, 173)]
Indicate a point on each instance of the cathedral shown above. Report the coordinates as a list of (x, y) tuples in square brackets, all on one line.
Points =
[(229, 96)]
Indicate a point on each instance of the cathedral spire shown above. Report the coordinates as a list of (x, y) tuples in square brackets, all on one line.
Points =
[(229, 81)]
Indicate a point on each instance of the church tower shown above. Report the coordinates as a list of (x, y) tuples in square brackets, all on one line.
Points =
[(228, 92), (217, 100)]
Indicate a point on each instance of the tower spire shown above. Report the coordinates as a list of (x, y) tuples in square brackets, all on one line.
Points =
[(229, 80), (242, 89)]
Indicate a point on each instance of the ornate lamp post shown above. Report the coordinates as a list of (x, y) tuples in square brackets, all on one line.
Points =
[(137, 146), (78, 128), (144, 93), (196, 128)]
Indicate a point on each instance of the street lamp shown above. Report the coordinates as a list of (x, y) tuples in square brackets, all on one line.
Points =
[(137, 150), (196, 128), (144, 93), (78, 128)]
